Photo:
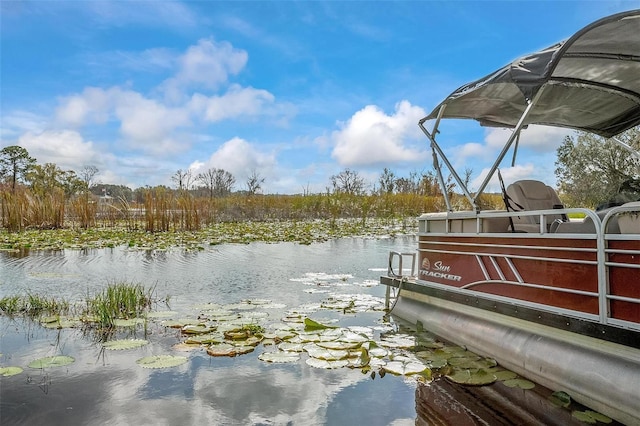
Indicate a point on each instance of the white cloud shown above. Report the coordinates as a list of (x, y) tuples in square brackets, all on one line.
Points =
[(91, 106), (538, 138), (372, 137), (237, 102), (207, 64), (240, 158), (66, 148)]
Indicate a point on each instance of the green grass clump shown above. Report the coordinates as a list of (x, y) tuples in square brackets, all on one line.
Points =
[(119, 301), (11, 305)]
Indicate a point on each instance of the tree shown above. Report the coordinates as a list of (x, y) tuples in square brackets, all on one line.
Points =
[(46, 178), (254, 182), (87, 174), (348, 182), (591, 170), (182, 179), (387, 181), (218, 182), (15, 163)]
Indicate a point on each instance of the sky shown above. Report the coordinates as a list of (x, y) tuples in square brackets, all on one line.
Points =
[(294, 91)]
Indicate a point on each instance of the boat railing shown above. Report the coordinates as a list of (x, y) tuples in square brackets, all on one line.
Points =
[(606, 241)]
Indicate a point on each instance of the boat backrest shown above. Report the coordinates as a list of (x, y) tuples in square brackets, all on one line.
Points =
[(527, 195), (629, 222)]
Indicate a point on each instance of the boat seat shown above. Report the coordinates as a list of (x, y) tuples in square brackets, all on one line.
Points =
[(529, 195), (629, 222)]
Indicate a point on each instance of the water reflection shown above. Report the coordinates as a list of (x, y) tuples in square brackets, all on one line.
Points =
[(107, 387)]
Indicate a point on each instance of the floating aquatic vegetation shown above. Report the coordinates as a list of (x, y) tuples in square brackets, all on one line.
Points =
[(310, 324), (161, 361), (327, 363), (123, 344), (279, 357), (10, 371), (477, 377), (60, 322), (591, 417), (228, 349), (560, 398), (519, 383), (405, 367), (51, 361)]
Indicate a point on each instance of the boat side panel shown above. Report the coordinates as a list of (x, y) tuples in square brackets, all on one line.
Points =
[(517, 269)]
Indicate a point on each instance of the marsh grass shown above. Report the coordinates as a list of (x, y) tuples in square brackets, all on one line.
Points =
[(119, 301), (34, 305)]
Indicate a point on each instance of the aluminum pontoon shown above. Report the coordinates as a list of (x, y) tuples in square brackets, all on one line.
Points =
[(554, 300)]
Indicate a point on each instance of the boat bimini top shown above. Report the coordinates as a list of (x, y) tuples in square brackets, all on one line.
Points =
[(589, 82)]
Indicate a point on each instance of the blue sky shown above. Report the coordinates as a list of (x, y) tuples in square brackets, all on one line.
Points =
[(296, 91)]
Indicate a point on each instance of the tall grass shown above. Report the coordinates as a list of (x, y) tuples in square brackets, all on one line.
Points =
[(163, 209), (34, 305), (119, 301)]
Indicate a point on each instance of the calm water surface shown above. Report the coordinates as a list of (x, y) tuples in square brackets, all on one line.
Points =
[(109, 388)]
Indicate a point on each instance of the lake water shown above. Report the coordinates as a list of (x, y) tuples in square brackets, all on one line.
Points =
[(108, 387)]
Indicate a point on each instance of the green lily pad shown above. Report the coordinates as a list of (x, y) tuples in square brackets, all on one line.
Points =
[(279, 357), (327, 364), (51, 361), (161, 361), (519, 383), (118, 345), (338, 345), (316, 351), (472, 377), (227, 349), (402, 368), (197, 329), (503, 375), (560, 398), (205, 339), (310, 324), (10, 371), (131, 322)]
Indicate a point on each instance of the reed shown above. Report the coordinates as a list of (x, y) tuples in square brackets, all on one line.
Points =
[(11, 305), (84, 209), (119, 301)]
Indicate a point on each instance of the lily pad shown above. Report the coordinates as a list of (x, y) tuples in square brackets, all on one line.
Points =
[(519, 383), (118, 345), (472, 377), (310, 324), (338, 345), (405, 368), (279, 357), (327, 364), (560, 398), (227, 349), (119, 322), (51, 361), (161, 361), (591, 417), (10, 371)]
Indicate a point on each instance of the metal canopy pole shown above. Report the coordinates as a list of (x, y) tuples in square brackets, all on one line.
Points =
[(438, 151), (514, 135), (515, 150)]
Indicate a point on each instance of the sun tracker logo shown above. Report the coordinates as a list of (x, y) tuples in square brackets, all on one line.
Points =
[(439, 270)]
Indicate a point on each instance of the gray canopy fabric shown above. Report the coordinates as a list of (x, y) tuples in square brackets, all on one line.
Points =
[(589, 82)]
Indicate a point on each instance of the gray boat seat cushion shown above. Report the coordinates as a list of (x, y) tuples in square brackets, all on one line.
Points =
[(530, 195)]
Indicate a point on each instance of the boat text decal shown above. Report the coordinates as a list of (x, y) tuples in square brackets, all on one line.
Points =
[(437, 270)]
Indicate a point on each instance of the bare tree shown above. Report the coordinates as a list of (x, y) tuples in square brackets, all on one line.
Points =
[(182, 179), (87, 174), (387, 181), (348, 181), (254, 182), (218, 182)]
